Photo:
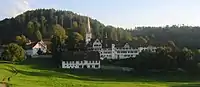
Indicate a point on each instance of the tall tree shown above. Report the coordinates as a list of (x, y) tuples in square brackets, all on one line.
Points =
[(74, 40), (21, 40), (38, 35), (14, 53), (43, 23), (59, 32), (30, 28)]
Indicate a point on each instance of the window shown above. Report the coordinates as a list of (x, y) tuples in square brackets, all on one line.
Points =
[(96, 66), (83, 61), (80, 66), (79, 61), (90, 66)]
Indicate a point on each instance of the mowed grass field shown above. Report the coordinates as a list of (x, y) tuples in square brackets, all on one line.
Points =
[(42, 73)]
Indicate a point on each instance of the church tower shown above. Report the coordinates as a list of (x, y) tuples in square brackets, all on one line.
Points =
[(88, 32)]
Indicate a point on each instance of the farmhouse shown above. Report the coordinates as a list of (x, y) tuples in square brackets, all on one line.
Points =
[(36, 48), (80, 60)]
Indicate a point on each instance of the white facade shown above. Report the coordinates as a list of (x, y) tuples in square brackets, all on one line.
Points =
[(118, 52), (33, 51), (41, 45), (89, 64)]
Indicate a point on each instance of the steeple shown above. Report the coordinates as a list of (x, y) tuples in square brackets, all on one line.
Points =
[(88, 26), (88, 32)]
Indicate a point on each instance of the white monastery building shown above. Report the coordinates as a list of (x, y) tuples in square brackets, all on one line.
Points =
[(117, 52), (97, 50)]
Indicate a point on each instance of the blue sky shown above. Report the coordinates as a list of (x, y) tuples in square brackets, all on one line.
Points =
[(119, 13)]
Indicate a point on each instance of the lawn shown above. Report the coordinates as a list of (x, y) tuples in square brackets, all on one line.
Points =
[(41, 73)]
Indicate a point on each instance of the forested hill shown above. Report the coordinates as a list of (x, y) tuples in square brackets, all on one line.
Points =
[(181, 36), (37, 24)]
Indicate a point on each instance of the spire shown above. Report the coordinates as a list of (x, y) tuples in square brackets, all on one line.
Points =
[(88, 27), (88, 35)]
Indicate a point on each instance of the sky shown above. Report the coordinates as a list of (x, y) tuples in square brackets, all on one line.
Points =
[(119, 13)]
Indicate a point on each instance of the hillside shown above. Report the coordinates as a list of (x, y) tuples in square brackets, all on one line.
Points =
[(38, 73), (38, 23)]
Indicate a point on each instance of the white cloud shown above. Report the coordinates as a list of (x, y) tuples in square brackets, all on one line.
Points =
[(12, 8)]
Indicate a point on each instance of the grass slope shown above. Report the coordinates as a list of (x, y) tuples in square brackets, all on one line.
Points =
[(40, 73)]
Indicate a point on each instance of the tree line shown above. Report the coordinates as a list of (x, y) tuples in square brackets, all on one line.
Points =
[(38, 24), (164, 59)]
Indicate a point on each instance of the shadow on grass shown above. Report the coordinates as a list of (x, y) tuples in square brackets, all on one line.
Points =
[(102, 75), (187, 85), (39, 63)]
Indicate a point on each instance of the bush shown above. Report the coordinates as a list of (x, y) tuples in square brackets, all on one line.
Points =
[(14, 53)]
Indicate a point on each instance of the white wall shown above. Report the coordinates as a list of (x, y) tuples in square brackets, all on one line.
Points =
[(81, 64), (122, 53), (29, 52), (97, 46)]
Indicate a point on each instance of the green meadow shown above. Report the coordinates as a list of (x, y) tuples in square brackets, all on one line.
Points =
[(42, 73)]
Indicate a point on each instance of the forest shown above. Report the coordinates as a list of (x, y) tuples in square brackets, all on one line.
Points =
[(38, 24)]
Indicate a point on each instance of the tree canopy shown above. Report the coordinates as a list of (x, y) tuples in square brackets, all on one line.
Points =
[(21, 40), (13, 52), (59, 32)]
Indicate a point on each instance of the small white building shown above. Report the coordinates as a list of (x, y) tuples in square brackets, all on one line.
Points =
[(80, 60), (33, 48)]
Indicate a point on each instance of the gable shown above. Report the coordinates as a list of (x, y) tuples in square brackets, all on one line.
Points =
[(39, 45), (97, 41), (126, 45)]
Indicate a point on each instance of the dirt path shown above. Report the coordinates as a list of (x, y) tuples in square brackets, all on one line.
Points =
[(5, 80)]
